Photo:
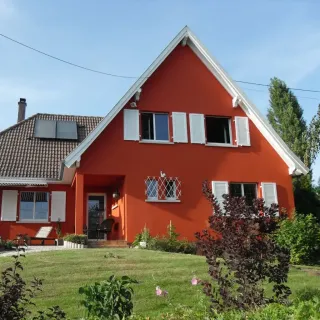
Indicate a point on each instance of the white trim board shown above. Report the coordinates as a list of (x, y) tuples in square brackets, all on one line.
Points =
[(295, 165)]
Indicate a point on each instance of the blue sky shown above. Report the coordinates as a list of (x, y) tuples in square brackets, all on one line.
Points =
[(253, 40)]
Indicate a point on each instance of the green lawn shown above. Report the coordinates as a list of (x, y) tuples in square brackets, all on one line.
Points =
[(64, 272)]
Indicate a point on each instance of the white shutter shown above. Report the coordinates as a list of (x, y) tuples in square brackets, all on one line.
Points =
[(269, 193), (179, 123), (9, 205), (131, 124), (58, 206), (242, 131), (219, 188), (197, 133)]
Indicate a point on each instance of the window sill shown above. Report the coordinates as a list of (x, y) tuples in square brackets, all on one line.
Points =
[(33, 221), (156, 141), (165, 201), (225, 145)]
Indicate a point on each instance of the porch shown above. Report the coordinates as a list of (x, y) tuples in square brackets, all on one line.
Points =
[(99, 208)]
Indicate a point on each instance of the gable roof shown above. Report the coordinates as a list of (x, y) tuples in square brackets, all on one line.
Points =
[(24, 156), (295, 165)]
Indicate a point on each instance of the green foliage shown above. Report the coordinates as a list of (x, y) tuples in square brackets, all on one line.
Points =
[(77, 238), (167, 245), (16, 296), (170, 242), (137, 240), (110, 299), (53, 313), (6, 244), (145, 234), (301, 235), (286, 117)]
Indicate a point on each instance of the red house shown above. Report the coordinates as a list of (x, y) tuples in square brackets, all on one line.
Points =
[(183, 121)]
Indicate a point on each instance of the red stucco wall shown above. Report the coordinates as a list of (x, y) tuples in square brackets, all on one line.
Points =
[(182, 83), (9, 229)]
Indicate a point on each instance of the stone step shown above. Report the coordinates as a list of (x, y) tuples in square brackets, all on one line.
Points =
[(107, 244)]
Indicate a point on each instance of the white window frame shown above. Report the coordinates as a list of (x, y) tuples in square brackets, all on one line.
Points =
[(157, 190), (242, 187), (219, 144), (154, 127), (34, 207), (174, 190)]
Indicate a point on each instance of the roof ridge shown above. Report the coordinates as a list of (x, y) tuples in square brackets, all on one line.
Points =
[(18, 124), (67, 115)]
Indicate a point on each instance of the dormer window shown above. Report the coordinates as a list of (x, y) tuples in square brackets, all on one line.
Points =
[(51, 129), (155, 126)]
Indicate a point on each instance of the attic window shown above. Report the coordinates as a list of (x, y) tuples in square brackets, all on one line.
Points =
[(155, 126), (51, 129), (218, 130)]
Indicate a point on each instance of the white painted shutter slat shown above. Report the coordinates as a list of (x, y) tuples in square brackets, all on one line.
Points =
[(269, 193), (131, 124), (179, 123), (9, 205), (58, 206), (219, 188), (242, 131), (197, 133)]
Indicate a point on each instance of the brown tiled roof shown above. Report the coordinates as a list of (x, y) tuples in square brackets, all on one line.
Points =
[(23, 155)]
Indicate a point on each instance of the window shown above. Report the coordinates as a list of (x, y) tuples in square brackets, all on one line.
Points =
[(248, 190), (170, 189), (163, 189), (155, 126), (218, 130), (152, 189), (34, 206)]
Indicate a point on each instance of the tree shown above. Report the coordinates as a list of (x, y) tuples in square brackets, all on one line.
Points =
[(242, 254), (286, 117)]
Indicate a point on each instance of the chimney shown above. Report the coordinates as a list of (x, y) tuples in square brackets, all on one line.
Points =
[(22, 104)]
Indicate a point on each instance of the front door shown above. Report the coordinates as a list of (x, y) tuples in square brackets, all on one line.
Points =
[(96, 214)]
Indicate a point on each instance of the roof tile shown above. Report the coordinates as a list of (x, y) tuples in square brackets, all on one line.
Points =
[(23, 155)]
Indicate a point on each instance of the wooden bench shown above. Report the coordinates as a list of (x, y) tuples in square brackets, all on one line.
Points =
[(42, 235)]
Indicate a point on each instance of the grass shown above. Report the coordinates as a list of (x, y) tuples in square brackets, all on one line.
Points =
[(64, 272)]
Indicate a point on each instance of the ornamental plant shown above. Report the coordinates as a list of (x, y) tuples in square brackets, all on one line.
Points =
[(242, 254), (109, 299), (301, 235)]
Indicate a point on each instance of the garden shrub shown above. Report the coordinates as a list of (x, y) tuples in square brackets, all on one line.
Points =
[(301, 235), (109, 299), (15, 295), (241, 254), (167, 243), (178, 246), (6, 244), (77, 238)]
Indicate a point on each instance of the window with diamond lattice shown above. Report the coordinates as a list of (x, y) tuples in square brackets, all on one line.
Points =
[(163, 189)]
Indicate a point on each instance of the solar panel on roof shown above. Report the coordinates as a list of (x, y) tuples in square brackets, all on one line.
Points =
[(67, 130), (45, 129)]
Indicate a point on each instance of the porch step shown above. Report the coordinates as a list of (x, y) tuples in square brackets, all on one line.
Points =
[(107, 244)]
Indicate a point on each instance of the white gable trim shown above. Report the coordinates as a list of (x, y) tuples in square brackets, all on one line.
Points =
[(295, 165)]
